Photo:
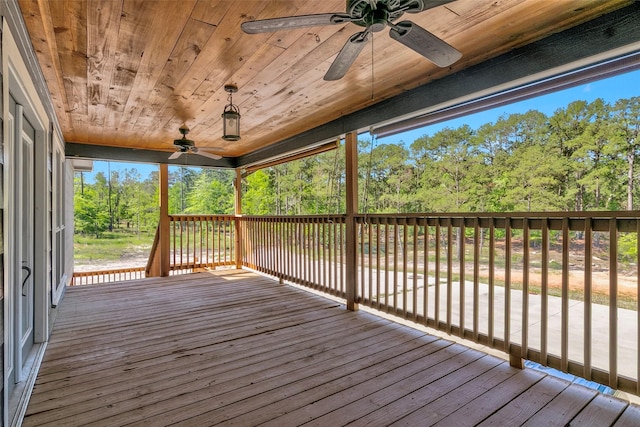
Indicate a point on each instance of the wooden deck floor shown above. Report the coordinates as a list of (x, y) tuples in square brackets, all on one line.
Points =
[(232, 347)]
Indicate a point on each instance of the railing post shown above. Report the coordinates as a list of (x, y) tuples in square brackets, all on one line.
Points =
[(238, 220), (351, 240), (165, 258)]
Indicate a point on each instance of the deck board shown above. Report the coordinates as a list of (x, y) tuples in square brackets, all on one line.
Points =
[(234, 348)]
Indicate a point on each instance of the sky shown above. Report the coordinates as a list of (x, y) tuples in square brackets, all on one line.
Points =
[(623, 86)]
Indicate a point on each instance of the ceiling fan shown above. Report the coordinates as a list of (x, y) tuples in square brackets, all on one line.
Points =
[(188, 146), (375, 16)]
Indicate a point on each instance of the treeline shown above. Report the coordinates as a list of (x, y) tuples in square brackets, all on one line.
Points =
[(115, 200), (582, 157), (124, 200)]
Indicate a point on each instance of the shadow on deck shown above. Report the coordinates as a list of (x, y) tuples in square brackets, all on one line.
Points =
[(235, 347)]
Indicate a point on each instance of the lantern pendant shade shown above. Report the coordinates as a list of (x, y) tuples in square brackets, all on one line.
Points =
[(231, 118), (231, 125)]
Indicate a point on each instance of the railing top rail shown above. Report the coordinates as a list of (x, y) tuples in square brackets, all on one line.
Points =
[(555, 214), (529, 215), (199, 216), (108, 271), (293, 217)]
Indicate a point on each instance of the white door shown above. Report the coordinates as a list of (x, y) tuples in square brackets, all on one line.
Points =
[(25, 225), (21, 298)]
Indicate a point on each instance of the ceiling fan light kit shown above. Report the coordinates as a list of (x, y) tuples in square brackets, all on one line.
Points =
[(231, 117), (375, 16)]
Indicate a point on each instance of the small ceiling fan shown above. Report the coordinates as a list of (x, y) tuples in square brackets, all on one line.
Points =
[(375, 16), (188, 146)]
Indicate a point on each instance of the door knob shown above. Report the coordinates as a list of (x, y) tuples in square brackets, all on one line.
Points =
[(24, 282)]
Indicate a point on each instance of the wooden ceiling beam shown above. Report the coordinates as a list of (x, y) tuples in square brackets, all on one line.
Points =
[(103, 152)]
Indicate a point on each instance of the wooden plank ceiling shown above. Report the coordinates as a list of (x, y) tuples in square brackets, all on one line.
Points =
[(129, 73)]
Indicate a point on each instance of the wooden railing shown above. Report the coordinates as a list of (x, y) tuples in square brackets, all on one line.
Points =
[(107, 276), (201, 241), (196, 242), (307, 250), (560, 289)]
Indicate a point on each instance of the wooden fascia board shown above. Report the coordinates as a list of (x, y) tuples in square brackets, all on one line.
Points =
[(577, 47)]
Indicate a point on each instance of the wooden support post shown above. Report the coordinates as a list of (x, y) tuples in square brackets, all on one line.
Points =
[(238, 221), (516, 361), (165, 258), (351, 241)]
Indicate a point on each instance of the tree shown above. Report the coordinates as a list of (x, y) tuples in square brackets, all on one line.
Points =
[(626, 115), (258, 197), (449, 161), (212, 193), (181, 180), (89, 217)]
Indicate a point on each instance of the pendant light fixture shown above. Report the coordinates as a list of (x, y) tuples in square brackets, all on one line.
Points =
[(231, 117)]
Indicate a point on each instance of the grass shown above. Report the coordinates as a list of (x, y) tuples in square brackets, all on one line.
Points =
[(111, 246)]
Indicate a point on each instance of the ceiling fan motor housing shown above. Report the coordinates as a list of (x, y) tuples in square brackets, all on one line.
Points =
[(374, 15), (184, 143)]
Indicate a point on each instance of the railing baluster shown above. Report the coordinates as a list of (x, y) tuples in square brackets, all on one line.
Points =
[(299, 249), (203, 261), (307, 255), (209, 251), (613, 303), (405, 269), (507, 285), (449, 274), (282, 245), (588, 260), (341, 245), (378, 281), (320, 255), (414, 245), (544, 292), (438, 237), (492, 266), (462, 281), (395, 265), (189, 222), (361, 266), (370, 260), (476, 278), (564, 328), (173, 228), (221, 237), (386, 266), (425, 297), (525, 289)]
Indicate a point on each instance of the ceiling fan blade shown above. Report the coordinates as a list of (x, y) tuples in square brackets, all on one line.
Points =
[(426, 44), (175, 155), (291, 22), (347, 56), (203, 153)]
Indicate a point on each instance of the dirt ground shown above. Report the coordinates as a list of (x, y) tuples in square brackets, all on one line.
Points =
[(128, 262), (627, 285)]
